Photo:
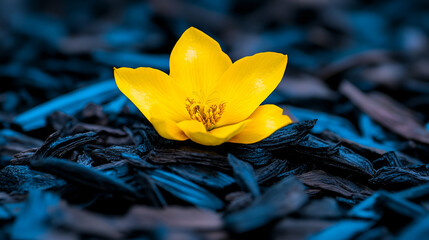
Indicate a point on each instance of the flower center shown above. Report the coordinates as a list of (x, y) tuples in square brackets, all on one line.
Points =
[(208, 114)]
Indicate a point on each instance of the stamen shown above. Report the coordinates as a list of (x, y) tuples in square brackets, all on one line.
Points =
[(209, 115)]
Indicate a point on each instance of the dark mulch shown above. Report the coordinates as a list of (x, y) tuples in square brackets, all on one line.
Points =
[(79, 161)]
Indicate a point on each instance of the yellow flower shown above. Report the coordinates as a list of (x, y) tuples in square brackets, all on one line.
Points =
[(206, 97)]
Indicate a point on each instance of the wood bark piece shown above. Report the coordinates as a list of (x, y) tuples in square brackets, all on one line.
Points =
[(285, 197), (334, 184), (388, 113)]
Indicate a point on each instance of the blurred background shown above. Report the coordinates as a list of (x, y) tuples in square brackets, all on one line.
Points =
[(51, 48)]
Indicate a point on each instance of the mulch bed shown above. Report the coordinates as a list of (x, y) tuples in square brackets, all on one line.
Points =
[(79, 161)]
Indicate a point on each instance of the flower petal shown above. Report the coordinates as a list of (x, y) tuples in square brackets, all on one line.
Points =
[(147, 87), (263, 122), (197, 132), (197, 62), (247, 83), (168, 129)]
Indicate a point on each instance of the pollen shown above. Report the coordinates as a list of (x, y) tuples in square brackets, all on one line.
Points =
[(208, 114)]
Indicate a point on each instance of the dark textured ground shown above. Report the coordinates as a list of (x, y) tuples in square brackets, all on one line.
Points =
[(78, 161)]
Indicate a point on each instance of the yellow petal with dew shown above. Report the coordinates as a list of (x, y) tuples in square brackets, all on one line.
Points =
[(247, 83), (148, 87), (197, 132), (197, 62), (262, 123)]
